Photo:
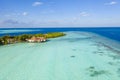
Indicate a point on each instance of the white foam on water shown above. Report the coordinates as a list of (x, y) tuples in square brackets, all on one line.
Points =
[(76, 56)]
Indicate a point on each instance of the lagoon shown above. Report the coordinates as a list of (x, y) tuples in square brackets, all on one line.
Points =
[(76, 56)]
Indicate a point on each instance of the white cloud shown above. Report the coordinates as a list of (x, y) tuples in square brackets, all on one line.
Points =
[(7, 15), (14, 23), (37, 3), (84, 14), (24, 13), (12, 14), (10, 21), (111, 3)]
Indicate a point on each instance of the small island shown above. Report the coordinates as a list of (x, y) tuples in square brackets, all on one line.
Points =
[(4, 40)]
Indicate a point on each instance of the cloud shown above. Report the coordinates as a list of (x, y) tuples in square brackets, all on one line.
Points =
[(10, 15), (84, 14), (7, 15), (37, 3), (15, 23), (111, 3), (10, 22), (25, 13)]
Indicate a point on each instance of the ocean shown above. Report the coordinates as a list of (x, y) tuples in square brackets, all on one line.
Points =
[(83, 54), (110, 32)]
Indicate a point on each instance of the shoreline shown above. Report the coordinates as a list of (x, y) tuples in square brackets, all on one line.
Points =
[(4, 40)]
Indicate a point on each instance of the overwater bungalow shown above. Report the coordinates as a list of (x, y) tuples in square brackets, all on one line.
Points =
[(36, 39)]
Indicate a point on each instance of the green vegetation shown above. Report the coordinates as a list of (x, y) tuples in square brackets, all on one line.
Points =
[(22, 38), (53, 35)]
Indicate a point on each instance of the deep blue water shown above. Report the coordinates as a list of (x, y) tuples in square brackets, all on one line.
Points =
[(112, 32)]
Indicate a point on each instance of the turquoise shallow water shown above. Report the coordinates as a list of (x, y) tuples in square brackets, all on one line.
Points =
[(76, 56)]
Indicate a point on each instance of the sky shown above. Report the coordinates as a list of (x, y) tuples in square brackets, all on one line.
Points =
[(59, 13)]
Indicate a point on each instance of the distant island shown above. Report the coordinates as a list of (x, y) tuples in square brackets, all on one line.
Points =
[(4, 40)]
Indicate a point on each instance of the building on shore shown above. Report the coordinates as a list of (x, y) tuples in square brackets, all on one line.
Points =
[(36, 39)]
